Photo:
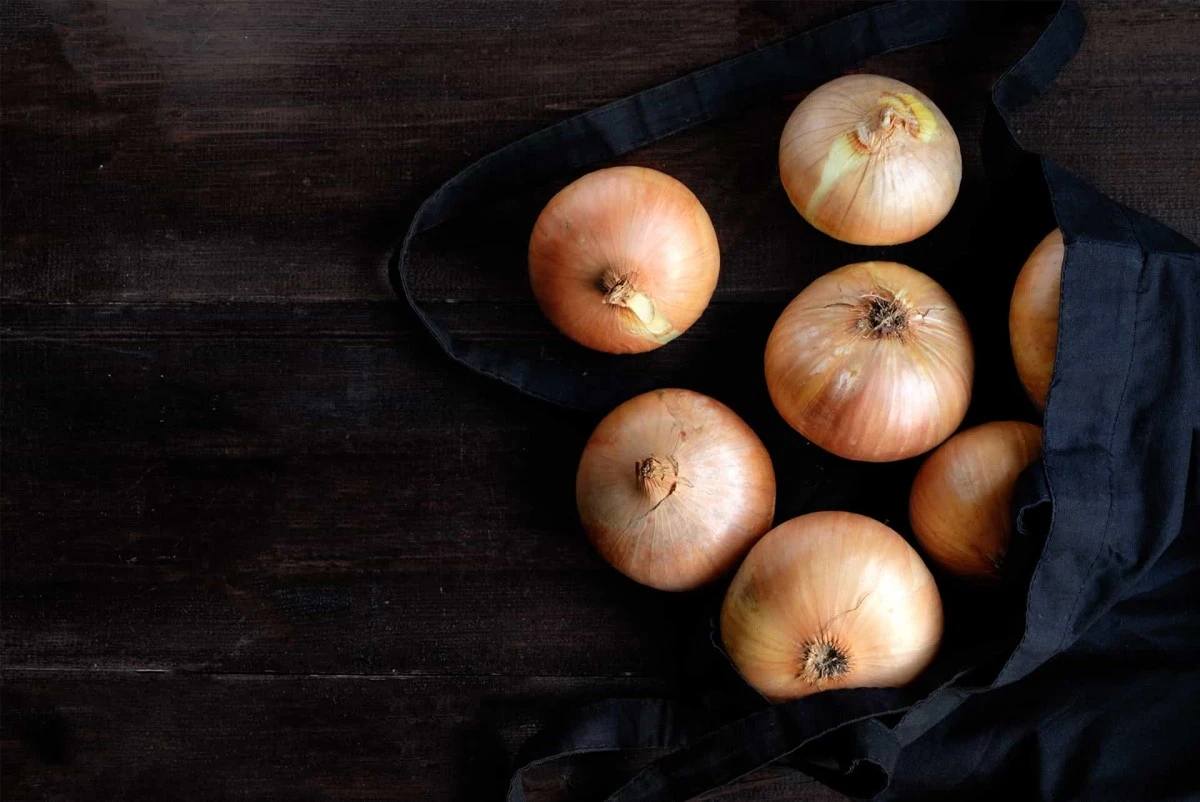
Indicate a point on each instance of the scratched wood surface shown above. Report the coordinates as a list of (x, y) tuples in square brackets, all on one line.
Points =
[(259, 539)]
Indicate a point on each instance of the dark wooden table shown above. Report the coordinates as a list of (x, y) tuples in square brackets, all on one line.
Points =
[(260, 539)]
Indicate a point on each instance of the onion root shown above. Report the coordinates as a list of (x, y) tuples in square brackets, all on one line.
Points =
[(823, 661), (658, 479)]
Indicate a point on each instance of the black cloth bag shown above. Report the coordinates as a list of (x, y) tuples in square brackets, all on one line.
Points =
[(1094, 691)]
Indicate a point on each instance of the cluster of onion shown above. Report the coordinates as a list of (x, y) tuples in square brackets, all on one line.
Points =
[(960, 507), (674, 489), (625, 259), (872, 362)]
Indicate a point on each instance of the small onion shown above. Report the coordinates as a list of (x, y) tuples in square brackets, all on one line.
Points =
[(673, 488), (870, 160), (1033, 316), (961, 502), (831, 600), (623, 260), (872, 361)]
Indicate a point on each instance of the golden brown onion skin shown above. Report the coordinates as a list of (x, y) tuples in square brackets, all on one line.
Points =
[(872, 361), (673, 488), (623, 260), (831, 600), (1033, 316), (960, 507), (870, 160)]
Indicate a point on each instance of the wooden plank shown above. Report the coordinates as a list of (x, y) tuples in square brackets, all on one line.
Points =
[(185, 153), (162, 735), (303, 489), (212, 496)]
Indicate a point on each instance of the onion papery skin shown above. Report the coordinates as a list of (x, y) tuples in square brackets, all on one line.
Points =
[(870, 160), (1033, 316), (673, 488), (831, 600), (872, 361), (960, 506), (623, 260)]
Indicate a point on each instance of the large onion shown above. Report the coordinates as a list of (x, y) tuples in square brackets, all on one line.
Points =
[(870, 160), (872, 361), (831, 600), (961, 502), (623, 260), (673, 488), (1033, 316)]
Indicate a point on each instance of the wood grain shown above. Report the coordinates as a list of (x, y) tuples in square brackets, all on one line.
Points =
[(258, 538), (198, 152)]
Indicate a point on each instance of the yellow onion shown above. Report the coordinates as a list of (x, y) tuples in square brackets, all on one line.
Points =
[(623, 260), (673, 488), (831, 600), (961, 502), (870, 160), (872, 362), (1033, 316)]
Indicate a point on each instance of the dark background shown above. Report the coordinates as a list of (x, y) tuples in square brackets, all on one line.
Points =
[(260, 539)]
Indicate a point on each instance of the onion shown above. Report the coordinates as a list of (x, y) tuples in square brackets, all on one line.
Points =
[(1033, 316), (872, 361), (870, 160), (831, 600), (961, 502), (623, 260), (673, 488)]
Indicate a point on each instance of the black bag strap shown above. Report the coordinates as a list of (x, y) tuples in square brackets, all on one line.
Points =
[(1025, 80), (644, 724), (625, 125), (746, 745), (810, 58), (605, 726)]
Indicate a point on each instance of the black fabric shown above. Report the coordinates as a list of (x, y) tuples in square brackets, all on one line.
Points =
[(1096, 693), (606, 726)]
